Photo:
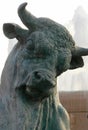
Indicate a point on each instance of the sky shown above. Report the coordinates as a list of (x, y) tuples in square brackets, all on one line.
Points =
[(60, 11)]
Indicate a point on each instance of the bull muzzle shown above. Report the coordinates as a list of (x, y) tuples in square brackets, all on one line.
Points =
[(41, 80), (39, 84)]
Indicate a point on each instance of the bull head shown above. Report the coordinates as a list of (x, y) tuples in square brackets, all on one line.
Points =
[(43, 52)]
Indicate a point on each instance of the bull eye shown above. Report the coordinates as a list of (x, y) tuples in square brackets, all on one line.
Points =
[(39, 54), (30, 45)]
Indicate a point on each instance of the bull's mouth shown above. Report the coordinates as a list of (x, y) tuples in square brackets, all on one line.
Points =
[(34, 94), (37, 85)]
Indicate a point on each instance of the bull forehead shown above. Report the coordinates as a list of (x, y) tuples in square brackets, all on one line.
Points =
[(41, 41), (55, 38), (41, 37), (37, 52)]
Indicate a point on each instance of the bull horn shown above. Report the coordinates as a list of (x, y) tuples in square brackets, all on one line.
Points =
[(27, 18), (78, 51)]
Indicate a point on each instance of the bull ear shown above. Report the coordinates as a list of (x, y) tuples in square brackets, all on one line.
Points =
[(77, 54), (13, 31), (76, 62)]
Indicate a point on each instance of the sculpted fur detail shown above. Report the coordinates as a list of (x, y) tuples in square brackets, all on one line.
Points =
[(28, 92)]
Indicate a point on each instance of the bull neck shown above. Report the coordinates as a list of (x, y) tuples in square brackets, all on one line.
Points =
[(42, 115)]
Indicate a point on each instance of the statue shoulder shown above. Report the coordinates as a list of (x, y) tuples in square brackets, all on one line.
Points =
[(64, 116)]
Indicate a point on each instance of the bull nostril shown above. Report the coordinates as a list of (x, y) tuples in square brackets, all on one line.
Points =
[(37, 75)]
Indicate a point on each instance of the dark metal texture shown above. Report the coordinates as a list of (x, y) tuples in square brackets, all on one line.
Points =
[(28, 92)]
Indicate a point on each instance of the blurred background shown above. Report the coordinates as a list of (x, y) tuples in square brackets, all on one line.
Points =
[(72, 14)]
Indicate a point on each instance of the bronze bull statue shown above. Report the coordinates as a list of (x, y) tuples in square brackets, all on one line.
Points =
[(28, 92)]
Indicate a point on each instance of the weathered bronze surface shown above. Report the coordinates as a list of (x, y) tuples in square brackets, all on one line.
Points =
[(28, 92)]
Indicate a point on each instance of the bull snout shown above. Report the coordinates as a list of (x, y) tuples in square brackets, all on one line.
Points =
[(40, 84), (37, 84), (41, 80)]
